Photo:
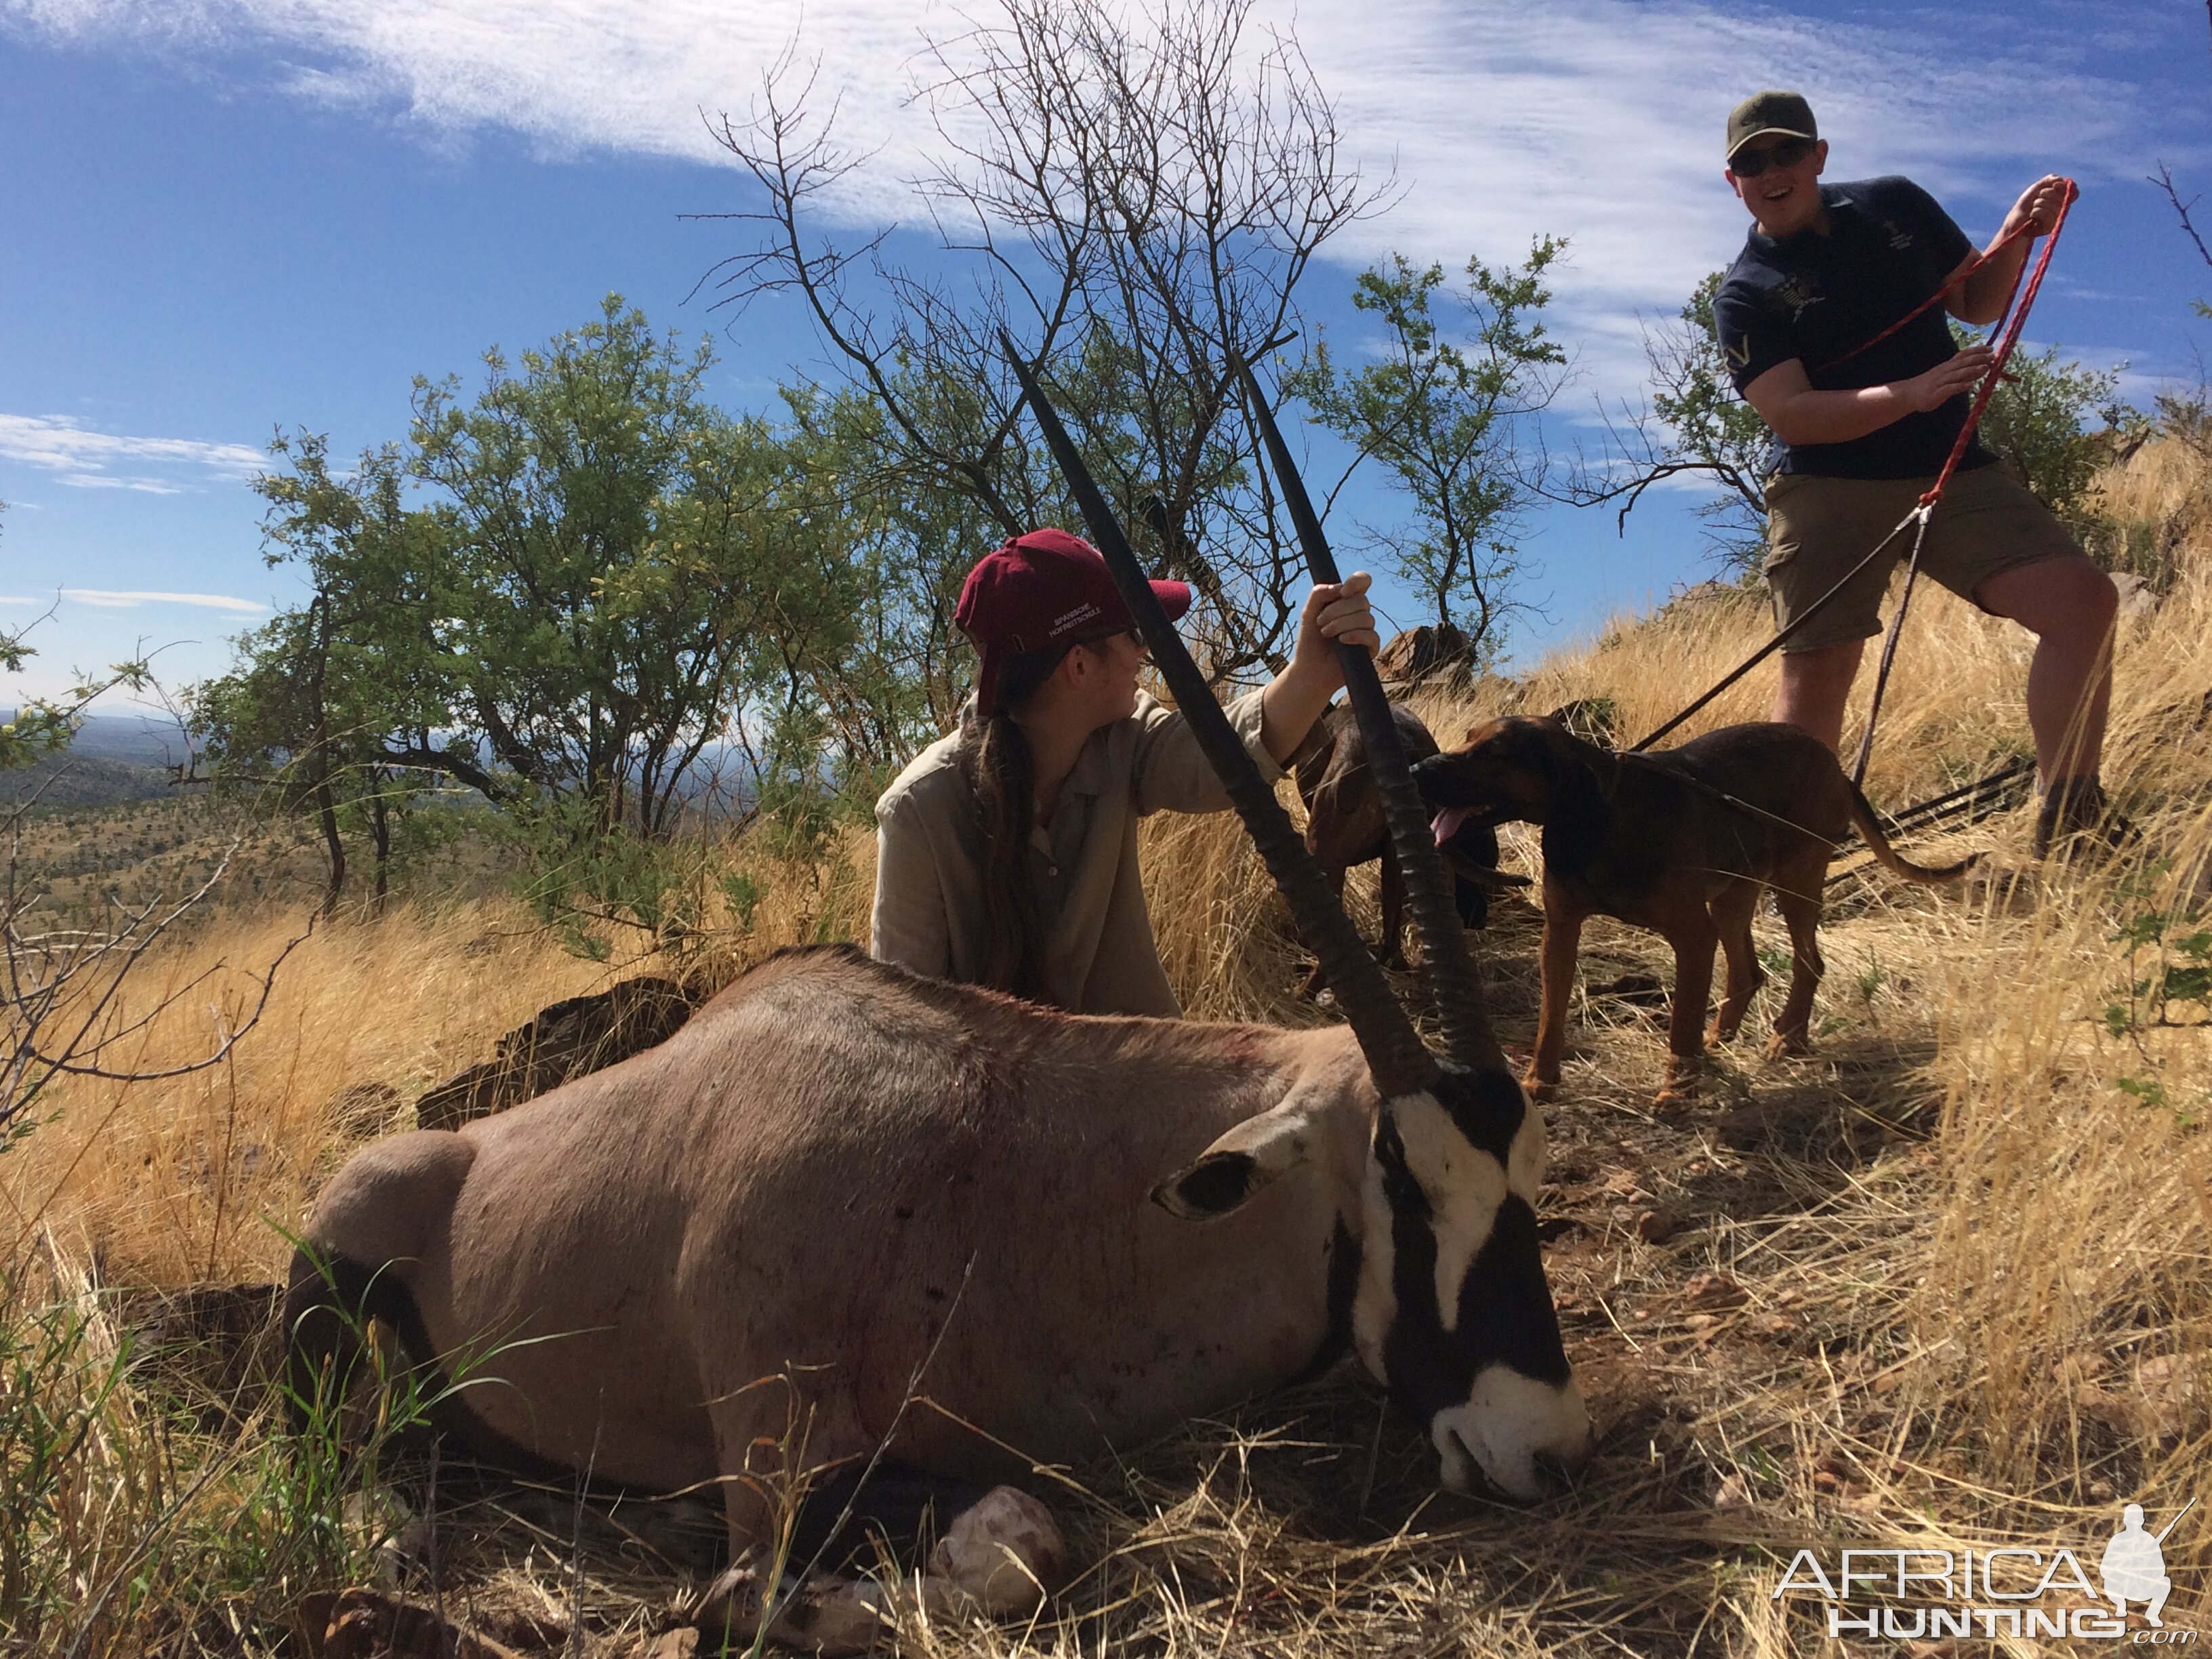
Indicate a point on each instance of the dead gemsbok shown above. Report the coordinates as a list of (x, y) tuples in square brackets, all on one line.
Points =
[(939, 1226)]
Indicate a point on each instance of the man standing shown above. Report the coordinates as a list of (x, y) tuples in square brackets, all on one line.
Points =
[(1861, 430)]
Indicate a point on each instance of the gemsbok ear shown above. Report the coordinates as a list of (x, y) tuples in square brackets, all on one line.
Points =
[(1256, 1152)]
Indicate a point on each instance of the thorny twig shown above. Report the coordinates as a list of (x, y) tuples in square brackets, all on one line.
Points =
[(2165, 182), (60, 990)]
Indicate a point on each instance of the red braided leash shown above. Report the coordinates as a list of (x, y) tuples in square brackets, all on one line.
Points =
[(2010, 322), (2009, 328)]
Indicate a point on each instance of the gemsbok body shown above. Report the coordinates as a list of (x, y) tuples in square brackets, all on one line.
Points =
[(846, 1210)]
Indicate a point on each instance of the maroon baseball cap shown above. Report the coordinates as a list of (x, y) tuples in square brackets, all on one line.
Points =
[(1040, 590)]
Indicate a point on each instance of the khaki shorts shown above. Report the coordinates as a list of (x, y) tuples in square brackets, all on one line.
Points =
[(1818, 528)]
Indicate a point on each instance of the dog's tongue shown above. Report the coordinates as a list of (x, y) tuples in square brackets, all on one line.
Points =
[(1447, 822)]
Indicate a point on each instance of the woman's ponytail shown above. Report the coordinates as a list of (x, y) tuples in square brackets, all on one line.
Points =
[(1001, 773)]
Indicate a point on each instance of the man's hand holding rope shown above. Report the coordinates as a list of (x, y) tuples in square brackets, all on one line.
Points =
[(1988, 289)]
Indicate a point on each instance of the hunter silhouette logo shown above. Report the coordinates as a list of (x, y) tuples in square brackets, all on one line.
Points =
[(2133, 1565)]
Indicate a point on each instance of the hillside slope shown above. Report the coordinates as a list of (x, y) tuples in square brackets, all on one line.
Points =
[(1944, 1285)]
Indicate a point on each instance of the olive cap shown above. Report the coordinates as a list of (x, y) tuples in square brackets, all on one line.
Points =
[(1785, 113)]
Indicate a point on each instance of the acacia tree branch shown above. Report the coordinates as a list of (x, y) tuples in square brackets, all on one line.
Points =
[(1132, 196), (58, 992), (2165, 182)]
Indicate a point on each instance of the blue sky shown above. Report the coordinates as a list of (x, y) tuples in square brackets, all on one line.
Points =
[(226, 217)]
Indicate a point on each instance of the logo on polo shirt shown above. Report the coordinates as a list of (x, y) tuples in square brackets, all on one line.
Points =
[(1898, 237), (1797, 291)]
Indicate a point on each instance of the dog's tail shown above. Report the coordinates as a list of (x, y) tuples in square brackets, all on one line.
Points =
[(1869, 828)]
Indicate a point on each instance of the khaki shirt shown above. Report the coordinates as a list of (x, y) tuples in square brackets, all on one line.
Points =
[(1099, 954)]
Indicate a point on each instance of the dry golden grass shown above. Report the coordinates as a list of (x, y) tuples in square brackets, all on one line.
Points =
[(177, 1183), (1944, 1284)]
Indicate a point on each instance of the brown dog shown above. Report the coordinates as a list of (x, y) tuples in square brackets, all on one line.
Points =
[(1345, 826), (1680, 842)]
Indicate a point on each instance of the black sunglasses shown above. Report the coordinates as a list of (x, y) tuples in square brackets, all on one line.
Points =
[(1134, 635), (1750, 163)]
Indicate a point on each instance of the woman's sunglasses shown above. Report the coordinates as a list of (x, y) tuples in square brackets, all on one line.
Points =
[(1750, 163), (1134, 635)]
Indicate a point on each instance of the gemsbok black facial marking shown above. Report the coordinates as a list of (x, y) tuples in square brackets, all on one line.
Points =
[(1344, 1261), (1486, 1107), (1506, 1313)]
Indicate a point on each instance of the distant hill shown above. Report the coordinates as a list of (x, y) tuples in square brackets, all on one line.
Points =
[(128, 746), (115, 757), (76, 780), (141, 740)]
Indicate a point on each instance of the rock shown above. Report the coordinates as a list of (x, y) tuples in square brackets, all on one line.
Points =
[(1657, 1226), (568, 1040), (2137, 601), (1734, 1497), (1432, 651), (671, 1645)]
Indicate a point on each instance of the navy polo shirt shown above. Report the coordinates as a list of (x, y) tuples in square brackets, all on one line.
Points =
[(1817, 298)]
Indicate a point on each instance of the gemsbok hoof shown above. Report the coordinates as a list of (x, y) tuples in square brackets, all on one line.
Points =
[(1004, 1551)]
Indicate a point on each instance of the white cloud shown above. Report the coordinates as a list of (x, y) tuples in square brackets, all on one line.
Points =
[(131, 598), (80, 457), (1596, 119)]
